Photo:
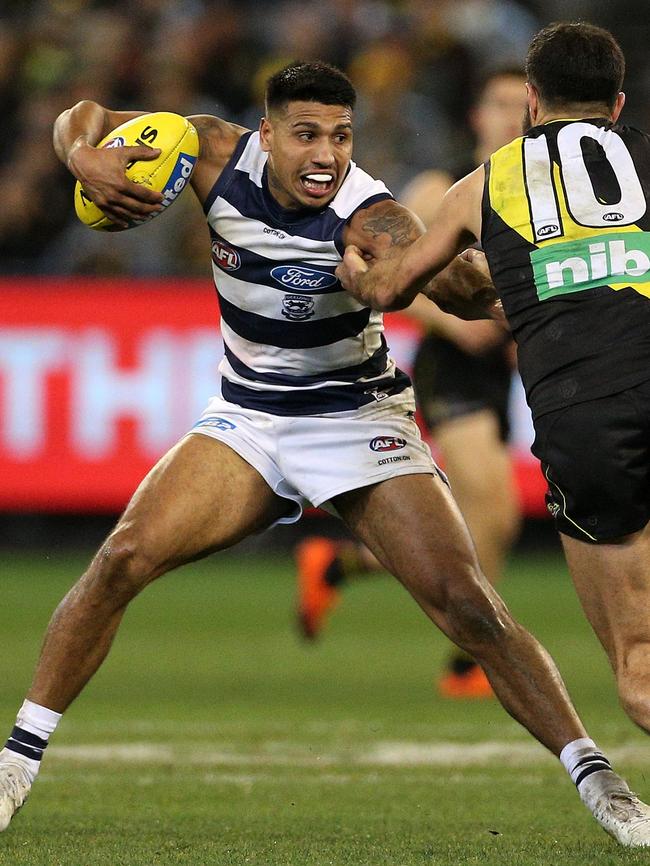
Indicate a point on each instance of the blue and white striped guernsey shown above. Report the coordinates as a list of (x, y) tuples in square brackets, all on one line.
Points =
[(296, 343)]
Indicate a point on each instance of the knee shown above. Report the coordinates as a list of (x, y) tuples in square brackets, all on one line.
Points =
[(634, 695), (478, 618), (122, 568)]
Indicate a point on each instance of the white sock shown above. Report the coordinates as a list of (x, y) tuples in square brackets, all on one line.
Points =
[(581, 758), (30, 736)]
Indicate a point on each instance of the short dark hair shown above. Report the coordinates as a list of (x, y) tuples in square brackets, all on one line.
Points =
[(309, 82), (575, 63)]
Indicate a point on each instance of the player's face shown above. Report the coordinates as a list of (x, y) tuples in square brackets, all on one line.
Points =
[(309, 146), (497, 117)]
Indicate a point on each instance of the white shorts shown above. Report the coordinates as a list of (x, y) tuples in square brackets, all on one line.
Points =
[(309, 459)]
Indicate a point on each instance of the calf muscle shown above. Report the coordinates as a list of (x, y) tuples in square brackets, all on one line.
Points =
[(413, 526)]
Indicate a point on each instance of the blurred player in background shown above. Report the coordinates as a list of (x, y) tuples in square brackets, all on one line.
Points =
[(462, 379), (310, 398), (563, 214)]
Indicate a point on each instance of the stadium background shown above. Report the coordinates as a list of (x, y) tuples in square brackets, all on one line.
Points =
[(92, 392), (211, 735)]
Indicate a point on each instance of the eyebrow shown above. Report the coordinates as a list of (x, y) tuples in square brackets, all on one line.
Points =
[(310, 124)]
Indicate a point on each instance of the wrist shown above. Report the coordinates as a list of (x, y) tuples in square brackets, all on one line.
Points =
[(75, 150)]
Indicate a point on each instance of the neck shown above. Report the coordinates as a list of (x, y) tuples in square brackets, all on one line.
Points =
[(277, 191), (575, 112)]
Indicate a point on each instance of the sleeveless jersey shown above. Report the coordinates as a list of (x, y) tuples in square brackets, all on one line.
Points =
[(296, 343), (566, 231)]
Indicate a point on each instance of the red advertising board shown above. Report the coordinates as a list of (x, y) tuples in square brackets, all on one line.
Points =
[(98, 377)]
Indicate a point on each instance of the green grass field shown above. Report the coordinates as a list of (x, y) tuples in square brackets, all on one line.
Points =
[(213, 736)]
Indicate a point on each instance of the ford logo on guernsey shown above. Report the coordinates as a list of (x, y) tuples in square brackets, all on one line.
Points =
[(305, 279), (387, 443), (225, 257)]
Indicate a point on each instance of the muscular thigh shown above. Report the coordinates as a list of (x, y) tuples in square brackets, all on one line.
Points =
[(414, 527), (613, 584), (200, 497)]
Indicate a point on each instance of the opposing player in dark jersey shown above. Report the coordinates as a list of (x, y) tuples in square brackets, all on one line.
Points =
[(311, 403), (462, 378), (562, 214)]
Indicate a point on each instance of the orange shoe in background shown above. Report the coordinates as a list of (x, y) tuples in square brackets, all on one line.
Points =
[(471, 683), (316, 597)]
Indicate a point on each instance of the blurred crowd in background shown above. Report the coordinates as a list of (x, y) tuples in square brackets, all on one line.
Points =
[(415, 64)]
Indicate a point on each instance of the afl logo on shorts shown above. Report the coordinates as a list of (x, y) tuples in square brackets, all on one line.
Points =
[(225, 257), (387, 443), (297, 308), (216, 422)]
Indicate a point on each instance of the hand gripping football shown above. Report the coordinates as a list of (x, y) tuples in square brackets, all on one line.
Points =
[(169, 173)]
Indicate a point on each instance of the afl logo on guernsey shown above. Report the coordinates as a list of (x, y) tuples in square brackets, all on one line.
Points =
[(387, 443), (225, 257), (549, 229), (302, 279)]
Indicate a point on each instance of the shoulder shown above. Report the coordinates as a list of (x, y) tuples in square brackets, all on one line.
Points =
[(358, 190), (217, 139)]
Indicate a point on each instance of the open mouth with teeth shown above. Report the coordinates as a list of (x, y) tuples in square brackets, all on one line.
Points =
[(318, 184)]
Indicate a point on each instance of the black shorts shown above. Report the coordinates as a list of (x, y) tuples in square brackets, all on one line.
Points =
[(449, 383), (596, 459)]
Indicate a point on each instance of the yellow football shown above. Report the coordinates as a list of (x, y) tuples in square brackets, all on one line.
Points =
[(169, 173)]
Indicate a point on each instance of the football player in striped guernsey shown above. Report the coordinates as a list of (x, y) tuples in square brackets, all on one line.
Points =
[(462, 376), (563, 216), (312, 410)]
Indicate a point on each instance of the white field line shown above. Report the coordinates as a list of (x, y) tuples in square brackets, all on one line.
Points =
[(381, 754)]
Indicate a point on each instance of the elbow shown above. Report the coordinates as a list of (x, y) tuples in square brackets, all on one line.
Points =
[(391, 299)]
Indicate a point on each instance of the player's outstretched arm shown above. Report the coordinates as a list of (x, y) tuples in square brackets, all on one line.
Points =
[(395, 274), (102, 172)]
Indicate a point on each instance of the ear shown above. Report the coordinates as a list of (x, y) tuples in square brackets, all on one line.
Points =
[(533, 102), (266, 134), (618, 107)]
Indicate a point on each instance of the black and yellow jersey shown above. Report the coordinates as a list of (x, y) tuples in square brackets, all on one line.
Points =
[(566, 231)]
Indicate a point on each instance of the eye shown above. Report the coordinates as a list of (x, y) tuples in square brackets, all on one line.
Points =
[(341, 138), (306, 136)]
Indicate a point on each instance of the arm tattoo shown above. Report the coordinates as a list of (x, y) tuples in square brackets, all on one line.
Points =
[(398, 226)]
